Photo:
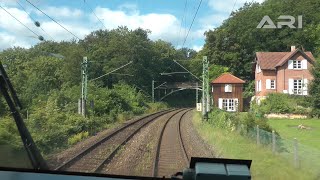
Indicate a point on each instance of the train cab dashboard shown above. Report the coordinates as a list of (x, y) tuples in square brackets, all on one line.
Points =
[(200, 169)]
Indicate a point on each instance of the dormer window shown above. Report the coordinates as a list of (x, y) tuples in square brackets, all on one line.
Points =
[(227, 88)]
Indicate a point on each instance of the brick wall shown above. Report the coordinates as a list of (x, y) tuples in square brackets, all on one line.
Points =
[(282, 75)]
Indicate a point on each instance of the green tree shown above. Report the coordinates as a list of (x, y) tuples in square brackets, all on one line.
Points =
[(315, 90)]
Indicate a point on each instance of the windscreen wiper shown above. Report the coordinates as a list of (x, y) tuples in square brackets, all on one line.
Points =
[(14, 104)]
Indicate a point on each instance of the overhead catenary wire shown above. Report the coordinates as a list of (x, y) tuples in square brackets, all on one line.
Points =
[(112, 71), (234, 5), (33, 19), (194, 17), (21, 22), (182, 20), (95, 14), (52, 19)]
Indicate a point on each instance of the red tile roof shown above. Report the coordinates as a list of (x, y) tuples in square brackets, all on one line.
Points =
[(271, 60), (227, 78)]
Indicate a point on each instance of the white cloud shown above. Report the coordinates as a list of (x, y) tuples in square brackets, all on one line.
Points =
[(163, 26), (8, 23), (59, 34), (197, 48), (9, 41), (61, 12)]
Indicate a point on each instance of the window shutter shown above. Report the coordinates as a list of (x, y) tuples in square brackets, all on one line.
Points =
[(304, 64), (268, 84), (236, 104), (275, 84), (260, 87), (290, 89), (290, 64), (220, 103), (305, 87)]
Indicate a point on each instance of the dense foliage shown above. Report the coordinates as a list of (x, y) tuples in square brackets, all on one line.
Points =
[(47, 79), (234, 43), (233, 121), (282, 104), (315, 91)]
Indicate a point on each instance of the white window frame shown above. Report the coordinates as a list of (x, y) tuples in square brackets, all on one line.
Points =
[(297, 87), (272, 84), (228, 88), (229, 104), (296, 65)]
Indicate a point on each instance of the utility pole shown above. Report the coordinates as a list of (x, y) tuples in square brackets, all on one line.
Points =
[(153, 91), (84, 83), (205, 88), (208, 86), (84, 86), (197, 93)]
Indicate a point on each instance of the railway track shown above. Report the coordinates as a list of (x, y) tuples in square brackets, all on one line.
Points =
[(96, 156), (171, 155)]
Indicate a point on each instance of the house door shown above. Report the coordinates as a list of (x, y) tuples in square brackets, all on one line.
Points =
[(230, 105)]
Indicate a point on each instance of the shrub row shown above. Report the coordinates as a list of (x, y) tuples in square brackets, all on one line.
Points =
[(283, 104)]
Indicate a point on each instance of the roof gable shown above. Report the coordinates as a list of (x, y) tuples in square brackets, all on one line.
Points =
[(287, 57), (227, 78), (271, 60)]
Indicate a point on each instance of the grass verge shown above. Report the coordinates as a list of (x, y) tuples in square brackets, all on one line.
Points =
[(288, 129), (265, 165)]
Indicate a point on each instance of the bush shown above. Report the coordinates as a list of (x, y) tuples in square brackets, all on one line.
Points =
[(282, 104), (277, 103), (157, 106), (232, 121), (78, 137)]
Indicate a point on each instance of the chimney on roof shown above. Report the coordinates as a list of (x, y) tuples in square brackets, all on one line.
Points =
[(293, 48)]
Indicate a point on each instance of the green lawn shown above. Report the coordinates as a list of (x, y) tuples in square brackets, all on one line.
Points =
[(287, 129), (265, 165)]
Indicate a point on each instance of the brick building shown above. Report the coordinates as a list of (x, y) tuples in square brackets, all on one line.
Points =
[(283, 72)]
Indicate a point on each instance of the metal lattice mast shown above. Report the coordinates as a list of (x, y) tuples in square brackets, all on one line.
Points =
[(84, 86), (205, 88), (197, 92), (84, 78), (208, 85), (153, 91)]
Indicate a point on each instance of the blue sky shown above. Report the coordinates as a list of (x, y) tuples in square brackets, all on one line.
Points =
[(168, 20)]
